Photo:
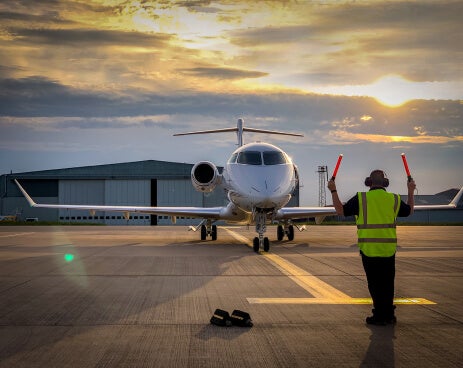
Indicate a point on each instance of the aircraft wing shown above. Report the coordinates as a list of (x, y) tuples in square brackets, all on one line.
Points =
[(287, 213), (211, 212), (452, 204)]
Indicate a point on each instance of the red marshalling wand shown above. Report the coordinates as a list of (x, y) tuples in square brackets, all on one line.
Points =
[(337, 167), (407, 170)]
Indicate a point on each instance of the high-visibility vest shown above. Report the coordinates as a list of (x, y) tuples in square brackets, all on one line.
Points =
[(376, 223)]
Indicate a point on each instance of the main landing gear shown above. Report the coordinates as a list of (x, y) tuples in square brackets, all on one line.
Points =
[(261, 242), (208, 229), (287, 230)]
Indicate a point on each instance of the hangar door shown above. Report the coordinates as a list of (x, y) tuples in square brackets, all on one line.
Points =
[(127, 193), (178, 193), (81, 192), (105, 192)]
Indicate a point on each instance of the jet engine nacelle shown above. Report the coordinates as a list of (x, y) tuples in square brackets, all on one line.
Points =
[(205, 176)]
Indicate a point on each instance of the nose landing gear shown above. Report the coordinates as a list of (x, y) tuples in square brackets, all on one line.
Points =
[(261, 241)]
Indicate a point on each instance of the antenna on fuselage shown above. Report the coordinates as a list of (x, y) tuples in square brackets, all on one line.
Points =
[(239, 131)]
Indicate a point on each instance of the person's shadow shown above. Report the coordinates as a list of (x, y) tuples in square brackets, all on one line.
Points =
[(380, 352)]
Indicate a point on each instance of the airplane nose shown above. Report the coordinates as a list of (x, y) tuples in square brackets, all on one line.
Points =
[(268, 197)]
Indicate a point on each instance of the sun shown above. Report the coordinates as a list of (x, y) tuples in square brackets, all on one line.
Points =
[(389, 90), (392, 90)]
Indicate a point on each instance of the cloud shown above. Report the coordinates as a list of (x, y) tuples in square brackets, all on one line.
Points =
[(344, 136), (38, 96), (48, 123), (222, 73), (145, 44), (271, 35), (356, 43), (89, 37), (42, 104), (10, 17), (199, 6)]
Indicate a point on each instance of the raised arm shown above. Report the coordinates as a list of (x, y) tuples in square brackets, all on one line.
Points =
[(336, 201)]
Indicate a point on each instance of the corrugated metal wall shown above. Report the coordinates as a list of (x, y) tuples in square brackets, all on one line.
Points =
[(178, 193), (104, 192), (81, 192), (127, 193)]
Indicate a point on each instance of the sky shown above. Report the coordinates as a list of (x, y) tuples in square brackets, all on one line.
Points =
[(95, 82)]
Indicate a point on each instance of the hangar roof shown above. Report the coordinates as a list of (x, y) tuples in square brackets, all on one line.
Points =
[(134, 170), (438, 198)]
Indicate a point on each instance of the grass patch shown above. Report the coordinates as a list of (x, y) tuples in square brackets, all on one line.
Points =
[(47, 223)]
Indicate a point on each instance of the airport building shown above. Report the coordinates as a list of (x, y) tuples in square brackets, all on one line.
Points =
[(142, 183)]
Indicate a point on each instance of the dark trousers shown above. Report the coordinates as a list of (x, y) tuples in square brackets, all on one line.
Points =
[(380, 272)]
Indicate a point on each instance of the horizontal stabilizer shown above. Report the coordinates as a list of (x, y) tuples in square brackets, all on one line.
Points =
[(239, 131)]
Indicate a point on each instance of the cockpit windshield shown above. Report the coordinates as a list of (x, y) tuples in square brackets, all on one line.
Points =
[(274, 158), (250, 158), (255, 158), (232, 159)]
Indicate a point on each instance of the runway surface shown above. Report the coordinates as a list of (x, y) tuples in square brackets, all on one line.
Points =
[(143, 297)]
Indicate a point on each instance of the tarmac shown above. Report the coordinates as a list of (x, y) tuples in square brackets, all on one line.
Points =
[(77, 296)]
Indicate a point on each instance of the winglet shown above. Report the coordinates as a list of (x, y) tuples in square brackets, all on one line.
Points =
[(28, 197), (457, 198)]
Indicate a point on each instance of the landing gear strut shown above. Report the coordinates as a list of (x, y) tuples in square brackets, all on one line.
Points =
[(261, 228)]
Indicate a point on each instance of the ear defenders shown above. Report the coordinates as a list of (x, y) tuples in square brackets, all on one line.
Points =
[(383, 181)]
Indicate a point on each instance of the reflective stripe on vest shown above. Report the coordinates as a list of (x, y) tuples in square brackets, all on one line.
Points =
[(376, 223)]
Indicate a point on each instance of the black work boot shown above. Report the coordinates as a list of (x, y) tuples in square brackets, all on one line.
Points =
[(392, 319), (376, 319)]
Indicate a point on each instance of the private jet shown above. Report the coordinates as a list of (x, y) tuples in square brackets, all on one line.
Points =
[(259, 180)]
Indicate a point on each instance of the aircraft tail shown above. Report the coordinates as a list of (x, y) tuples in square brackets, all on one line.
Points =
[(239, 131)]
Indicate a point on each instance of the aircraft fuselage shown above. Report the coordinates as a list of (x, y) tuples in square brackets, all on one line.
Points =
[(259, 176)]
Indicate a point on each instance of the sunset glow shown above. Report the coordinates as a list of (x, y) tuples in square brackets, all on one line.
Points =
[(99, 81)]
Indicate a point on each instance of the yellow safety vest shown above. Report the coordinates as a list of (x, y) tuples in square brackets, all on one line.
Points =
[(376, 223)]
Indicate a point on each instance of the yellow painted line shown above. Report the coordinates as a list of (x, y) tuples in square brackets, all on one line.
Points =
[(238, 237), (332, 301), (322, 292), (309, 282)]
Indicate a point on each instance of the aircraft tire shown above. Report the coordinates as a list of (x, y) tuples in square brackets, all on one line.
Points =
[(266, 245), (290, 232), (203, 232), (255, 244), (214, 232), (280, 233)]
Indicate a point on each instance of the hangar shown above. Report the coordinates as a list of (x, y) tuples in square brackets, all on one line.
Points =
[(141, 183), (447, 216)]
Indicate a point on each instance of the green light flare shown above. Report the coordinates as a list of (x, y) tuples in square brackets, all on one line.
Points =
[(68, 257)]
